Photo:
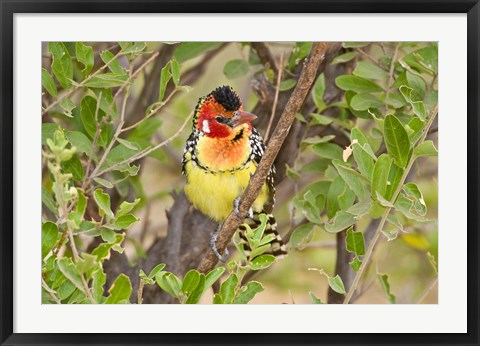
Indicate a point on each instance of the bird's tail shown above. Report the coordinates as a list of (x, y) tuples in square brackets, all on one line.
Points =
[(277, 246)]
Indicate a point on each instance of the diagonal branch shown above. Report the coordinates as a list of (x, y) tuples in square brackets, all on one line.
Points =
[(304, 84)]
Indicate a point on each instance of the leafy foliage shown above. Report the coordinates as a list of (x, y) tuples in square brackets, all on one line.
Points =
[(350, 171)]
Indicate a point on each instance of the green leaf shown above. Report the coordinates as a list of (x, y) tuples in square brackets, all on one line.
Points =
[(170, 283), (357, 84), (246, 293), (68, 269), (426, 148), (103, 182), (380, 176), (414, 129), (355, 264), (406, 206), (62, 66), (113, 65), (301, 51), (73, 166), (363, 154), (386, 286), (301, 236), (395, 100), (126, 207), (80, 141), (360, 209), (123, 222), (262, 262), (213, 276), (355, 44), (48, 201), (67, 106), (88, 108), (48, 130), (355, 242), (340, 221), (165, 77), (418, 107), (319, 119), (235, 68), (99, 279), (362, 102), (48, 83), (343, 58), (189, 50), (217, 299), (128, 144), (368, 70), (190, 281), (336, 284), (196, 294), (396, 140), (418, 85), (157, 269), (424, 60), (339, 196), (65, 290), (413, 192), (107, 80), (328, 150), (84, 55), (175, 69), (103, 202), (314, 298), (108, 235), (133, 47), (354, 180), (49, 237), (120, 291), (287, 84), (318, 92), (227, 289), (312, 207)]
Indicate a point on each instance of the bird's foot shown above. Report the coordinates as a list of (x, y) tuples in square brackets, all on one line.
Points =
[(236, 204), (213, 246)]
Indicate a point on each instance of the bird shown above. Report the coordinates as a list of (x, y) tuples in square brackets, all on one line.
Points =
[(220, 156)]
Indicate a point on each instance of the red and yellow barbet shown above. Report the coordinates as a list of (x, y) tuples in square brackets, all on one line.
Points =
[(221, 154)]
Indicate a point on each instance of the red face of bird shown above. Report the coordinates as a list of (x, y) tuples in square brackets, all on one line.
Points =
[(220, 114)]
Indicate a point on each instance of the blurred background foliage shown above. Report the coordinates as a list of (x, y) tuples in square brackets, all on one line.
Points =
[(107, 104)]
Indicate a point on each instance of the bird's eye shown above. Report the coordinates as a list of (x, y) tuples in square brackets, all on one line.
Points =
[(221, 120)]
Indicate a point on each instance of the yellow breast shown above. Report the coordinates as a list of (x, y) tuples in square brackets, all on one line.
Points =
[(213, 193)]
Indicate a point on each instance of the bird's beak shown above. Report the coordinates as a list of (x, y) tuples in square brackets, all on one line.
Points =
[(242, 117)]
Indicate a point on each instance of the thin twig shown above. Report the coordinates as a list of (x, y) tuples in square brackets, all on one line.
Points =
[(371, 58), (134, 75), (275, 99), (50, 292), (146, 151), (152, 112), (294, 103), (140, 292), (427, 290)]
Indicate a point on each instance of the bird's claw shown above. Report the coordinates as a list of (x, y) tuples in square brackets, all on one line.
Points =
[(236, 204), (213, 247)]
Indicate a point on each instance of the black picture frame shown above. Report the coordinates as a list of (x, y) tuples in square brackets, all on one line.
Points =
[(10, 7)]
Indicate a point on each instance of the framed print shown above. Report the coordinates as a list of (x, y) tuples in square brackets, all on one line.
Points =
[(295, 172)]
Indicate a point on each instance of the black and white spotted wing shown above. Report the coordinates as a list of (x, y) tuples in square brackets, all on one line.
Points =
[(258, 149)]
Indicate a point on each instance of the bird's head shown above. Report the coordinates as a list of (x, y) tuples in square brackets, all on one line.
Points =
[(220, 114)]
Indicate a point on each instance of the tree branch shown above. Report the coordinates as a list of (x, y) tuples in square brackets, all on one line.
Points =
[(298, 97)]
